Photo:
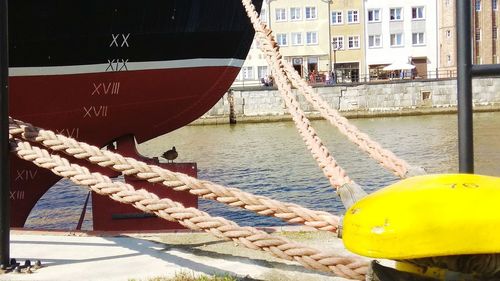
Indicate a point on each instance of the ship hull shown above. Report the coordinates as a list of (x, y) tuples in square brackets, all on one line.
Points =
[(99, 108), (107, 70), (87, 66)]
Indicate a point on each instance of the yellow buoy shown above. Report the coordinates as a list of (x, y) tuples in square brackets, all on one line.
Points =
[(427, 216)]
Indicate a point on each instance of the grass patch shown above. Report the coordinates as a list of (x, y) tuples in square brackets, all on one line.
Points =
[(298, 235), (186, 276)]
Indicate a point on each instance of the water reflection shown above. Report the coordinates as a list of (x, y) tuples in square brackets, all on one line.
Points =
[(271, 159)]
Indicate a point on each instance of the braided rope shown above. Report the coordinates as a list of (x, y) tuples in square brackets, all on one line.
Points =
[(192, 218), (335, 174), (288, 212), (385, 157)]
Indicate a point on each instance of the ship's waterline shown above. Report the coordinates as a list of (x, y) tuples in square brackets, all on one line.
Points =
[(270, 159)]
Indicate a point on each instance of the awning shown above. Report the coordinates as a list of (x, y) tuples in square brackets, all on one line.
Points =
[(399, 66)]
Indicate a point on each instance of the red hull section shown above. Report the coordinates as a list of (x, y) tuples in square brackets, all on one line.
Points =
[(98, 108), (109, 215), (101, 108)]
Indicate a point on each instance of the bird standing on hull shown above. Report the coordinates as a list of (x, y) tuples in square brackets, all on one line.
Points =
[(170, 155)]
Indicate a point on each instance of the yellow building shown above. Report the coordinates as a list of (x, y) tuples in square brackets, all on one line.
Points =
[(302, 30), (347, 32)]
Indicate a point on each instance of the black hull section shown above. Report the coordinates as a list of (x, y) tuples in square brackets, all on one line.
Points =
[(64, 32)]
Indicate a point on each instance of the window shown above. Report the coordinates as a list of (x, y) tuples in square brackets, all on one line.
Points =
[(418, 39), (374, 15), (396, 13), (448, 33), (447, 3), (478, 5), (478, 34), (262, 71), (374, 41), (426, 95), (353, 42), (263, 15), (280, 14), (281, 38), (296, 38), (295, 14), (338, 42), (494, 32), (311, 13), (352, 16), (337, 17), (396, 39), (311, 38), (247, 73), (417, 13), (494, 4), (448, 59)]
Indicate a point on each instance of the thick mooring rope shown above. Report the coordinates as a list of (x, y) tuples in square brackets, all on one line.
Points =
[(269, 47), (335, 174), (350, 267), (288, 212)]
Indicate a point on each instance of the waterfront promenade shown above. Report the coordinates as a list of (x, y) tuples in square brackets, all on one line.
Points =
[(92, 256), (391, 98)]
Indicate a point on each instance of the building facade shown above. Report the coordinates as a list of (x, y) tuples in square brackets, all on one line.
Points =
[(447, 37), (347, 19), (485, 31), (301, 29), (357, 39), (255, 69), (401, 32)]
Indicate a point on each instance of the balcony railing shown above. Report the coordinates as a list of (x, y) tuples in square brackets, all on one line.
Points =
[(353, 78)]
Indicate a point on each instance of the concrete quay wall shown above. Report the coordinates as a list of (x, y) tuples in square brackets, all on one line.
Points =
[(396, 98)]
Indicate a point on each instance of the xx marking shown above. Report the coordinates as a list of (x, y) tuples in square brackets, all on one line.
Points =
[(124, 42)]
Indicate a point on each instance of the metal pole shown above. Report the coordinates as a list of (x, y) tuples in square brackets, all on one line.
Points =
[(269, 13), (334, 64), (4, 137), (329, 38), (464, 87)]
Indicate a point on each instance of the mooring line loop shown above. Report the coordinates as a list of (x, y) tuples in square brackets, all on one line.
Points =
[(192, 218), (289, 212), (281, 67)]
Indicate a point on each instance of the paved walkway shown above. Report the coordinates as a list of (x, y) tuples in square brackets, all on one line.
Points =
[(80, 256)]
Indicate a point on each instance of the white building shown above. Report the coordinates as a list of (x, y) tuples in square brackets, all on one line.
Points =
[(401, 32), (255, 67), (301, 28)]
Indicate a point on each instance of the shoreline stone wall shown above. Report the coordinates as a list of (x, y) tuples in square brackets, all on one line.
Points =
[(395, 98)]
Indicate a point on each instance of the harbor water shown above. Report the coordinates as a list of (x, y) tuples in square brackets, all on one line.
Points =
[(271, 159)]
